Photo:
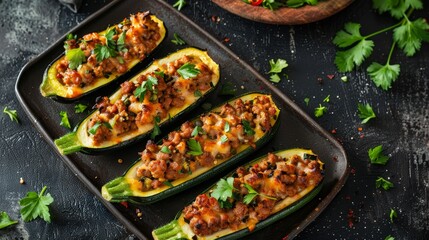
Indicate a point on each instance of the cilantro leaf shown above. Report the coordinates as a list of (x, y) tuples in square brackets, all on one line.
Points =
[(165, 149), (64, 120), (389, 238), (156, 130), (80, 108), (223, 189), (365, 112), (188, 70), (178, 40), (223, 139), (195, 147), (75, 57), (5, 220), (383, 76), (392, 215), (275, 78), (277, 66), (179, 4), (348, 36), (376, 156), (383, 183), (410, 35), (103, 52), (35, 205), (348, 59), (247, 128), (12, 114), (94, 128), (320, 111)]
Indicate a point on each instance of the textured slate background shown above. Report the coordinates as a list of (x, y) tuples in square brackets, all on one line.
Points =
[(402, 124)]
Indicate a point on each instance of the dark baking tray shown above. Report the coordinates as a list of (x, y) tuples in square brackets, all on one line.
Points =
[(296, 130)]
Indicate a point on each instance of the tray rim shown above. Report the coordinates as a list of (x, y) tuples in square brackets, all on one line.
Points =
[(128, 224)]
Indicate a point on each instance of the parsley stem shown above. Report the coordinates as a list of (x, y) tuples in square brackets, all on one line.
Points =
[(390, 53), (43, 191), (383, 30)]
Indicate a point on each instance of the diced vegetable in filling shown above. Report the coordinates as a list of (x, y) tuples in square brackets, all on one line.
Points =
[(206, 141)]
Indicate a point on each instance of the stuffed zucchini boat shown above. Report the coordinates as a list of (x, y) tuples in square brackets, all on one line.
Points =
[(198, 150), (251, 198), (97, 59), (159, 94)]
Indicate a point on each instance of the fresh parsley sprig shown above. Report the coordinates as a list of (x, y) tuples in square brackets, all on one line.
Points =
[(5, 220), (13, 115), (194, 147), (178, 40), (392, 215), (80, 108), (35, 205), (65, 120), (148, 85), (156, 130), (383, 183), (320, 111), (365, 112), (376, 156), (179, 4), (276, 67), (75, 57), (252, 193), (188, 70), (223, 189), (94, 128)]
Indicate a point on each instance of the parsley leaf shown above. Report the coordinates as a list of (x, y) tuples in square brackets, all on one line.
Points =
[(409, 36), (247, 128), (167, 183), (223, 139), (145, 86), (226, 128), (103, 52), (272, 4), (35, 205), (80, 108), (178, 40), (188, 70), (383, 183), (64, 120), (300, 3), (306, 100), (12, 114), (197, 93), (109, 38), (223, 189), (156, 130), (327, 99), (165, 149), (277, 66), (75, 57), (376, 156), (5, 220), (348, 36), (392, 215), (389, 238), (94, 128), (383, 76), (348, 59), (195, 147), (275, 78), (179, 4), (320, 111), (121, 42), (365, 112), (252, 193), (197, 129)]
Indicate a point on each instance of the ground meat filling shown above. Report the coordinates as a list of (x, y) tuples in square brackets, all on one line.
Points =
[(141, 36), (273, 177), (205, 142), (134, 108)]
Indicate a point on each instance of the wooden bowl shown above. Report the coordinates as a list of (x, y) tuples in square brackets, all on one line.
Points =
[(284, 15)]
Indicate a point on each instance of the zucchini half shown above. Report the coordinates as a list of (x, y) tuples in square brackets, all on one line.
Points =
[(179, 229), (53, 88), (126, 188), (80, 140)]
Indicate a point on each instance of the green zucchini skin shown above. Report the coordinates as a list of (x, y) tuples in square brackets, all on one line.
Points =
[(111, 191), (71, 143), (50, 86), (173, 230)]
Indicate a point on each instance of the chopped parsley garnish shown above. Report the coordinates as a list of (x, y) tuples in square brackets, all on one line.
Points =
[(121, 42), (188, 70), (167, 183), (389, 238), (103, 52), (159, 74), (276, 68), (306, 100), (275, 78), (179, 4), (64, 120), (94, 128), (223, 139), (376, 156), (145, 86), (344, 79), (156, 130), (247, 128), (392, 215), (110, 43), (365, 112), (252, 193), (35, 205), (194, 147), (13, 115), (165, 149), (227, 89), (300, 3), (5, 220), (383, 75), (197, 93), (197, 130), (75, 57), (80, 108), (226, 128), (326, 100), (178, 40), (320, 111), (223, 189), (383, 183)]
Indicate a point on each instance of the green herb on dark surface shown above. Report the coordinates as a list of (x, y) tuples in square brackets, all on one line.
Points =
[(188, 70), (5, 220), (344, 79), (392, 215), (194, 147), (407, 34), (383, 183), (389, 238), (376, 156), (64, 120), (80, 108), (306, 100), (178, 40), (223, 189), (275, 78), (165, 149), (227, 89), (320, 111), (365, 112), (252, 193), (327, 99), (179, 4), (75, 57), (276, 67), (156, 130), (13, 115), (94, 128), (247, 128), (35, 205)]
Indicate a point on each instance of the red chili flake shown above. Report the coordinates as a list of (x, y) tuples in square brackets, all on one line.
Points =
[(226, 39), (125, 204), (362, 135), (334, 131), (330, 76), (320, 80), (285, 237), (350, 218), (360, 129), (353, 171)]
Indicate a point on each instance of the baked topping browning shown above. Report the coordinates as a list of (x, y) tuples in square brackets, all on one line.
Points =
[(256, 193), (207, 141)]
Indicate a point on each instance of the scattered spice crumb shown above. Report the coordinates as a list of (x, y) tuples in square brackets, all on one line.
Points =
[(125, 204), (316, 209), (96, 177), (242, 87), (360, 129), (330, 76), (344, 78), (139, 214), (350, 218), (320, 80), (226, 39), (120, 161), (215, 19), (353, 171), (21, 181)]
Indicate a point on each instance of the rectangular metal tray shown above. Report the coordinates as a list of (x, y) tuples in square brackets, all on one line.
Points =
[(296, 130)]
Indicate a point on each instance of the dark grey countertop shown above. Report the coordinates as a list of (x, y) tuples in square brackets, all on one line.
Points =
[(402, 123)]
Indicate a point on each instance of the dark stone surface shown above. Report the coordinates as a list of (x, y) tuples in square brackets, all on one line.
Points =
[(402, 124)]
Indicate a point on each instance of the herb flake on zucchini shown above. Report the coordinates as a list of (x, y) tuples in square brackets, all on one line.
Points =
[(153, 97), (254, 196), (97, 59), (196, 151)]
